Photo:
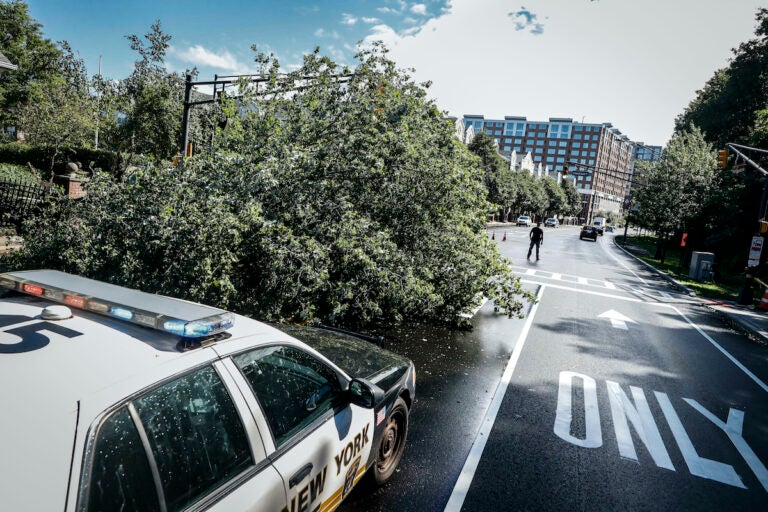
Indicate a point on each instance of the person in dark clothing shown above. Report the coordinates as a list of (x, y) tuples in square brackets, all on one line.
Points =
[(537, 238)]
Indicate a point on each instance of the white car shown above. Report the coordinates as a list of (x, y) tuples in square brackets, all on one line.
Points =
[(551, 223), (524, 220), (115, 399)]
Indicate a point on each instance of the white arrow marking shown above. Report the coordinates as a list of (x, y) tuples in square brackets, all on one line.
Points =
[(618, 321)]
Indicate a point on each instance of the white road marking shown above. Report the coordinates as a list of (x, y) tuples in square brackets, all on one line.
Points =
[(474, 311), (642, 420), (733, 428), (473, 459), (721, 349), (697, 465), (622, 263), (618, 321), (593, 435), (543, 274), (588, 292)]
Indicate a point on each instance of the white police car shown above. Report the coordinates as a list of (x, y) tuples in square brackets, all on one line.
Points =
[(114, 399)]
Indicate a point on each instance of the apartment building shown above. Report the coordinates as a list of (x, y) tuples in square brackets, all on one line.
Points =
[(597, 155)]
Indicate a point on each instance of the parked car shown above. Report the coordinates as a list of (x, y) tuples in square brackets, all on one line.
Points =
[(125, 400), (551, 223), (609, 229), (588, 232), (524, 220)]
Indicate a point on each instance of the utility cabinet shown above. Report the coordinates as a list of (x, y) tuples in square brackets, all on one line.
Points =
[(701, 265)]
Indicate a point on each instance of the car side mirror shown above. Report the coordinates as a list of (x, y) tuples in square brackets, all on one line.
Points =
[(364, 393)]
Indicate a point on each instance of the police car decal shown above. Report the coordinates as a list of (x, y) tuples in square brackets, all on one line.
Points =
[(29, 337)]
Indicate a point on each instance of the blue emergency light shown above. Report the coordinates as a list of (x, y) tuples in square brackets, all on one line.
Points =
[(176, 316)]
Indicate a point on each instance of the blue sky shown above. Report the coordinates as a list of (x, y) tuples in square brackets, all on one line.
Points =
[(633, 63), (217, 35)]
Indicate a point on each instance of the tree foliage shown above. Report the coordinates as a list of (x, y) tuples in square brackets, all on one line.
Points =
[(38, 59), (731, 107), (60, 112), (347, 200), (679, 183)]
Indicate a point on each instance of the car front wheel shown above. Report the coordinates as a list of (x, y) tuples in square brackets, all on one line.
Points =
[(392, 443)]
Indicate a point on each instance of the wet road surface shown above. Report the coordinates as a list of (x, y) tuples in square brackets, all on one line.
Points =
[(585, 417)]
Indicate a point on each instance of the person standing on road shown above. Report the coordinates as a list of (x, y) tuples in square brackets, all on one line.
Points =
[(537, 238)]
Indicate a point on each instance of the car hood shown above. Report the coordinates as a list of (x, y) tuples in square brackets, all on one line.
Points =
[(357, 357)]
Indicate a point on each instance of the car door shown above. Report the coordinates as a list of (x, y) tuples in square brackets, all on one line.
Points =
[(183, 445), (321, 441)]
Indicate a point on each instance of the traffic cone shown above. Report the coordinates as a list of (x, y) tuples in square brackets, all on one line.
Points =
[(493, 236), (505, 237), (764, 301)]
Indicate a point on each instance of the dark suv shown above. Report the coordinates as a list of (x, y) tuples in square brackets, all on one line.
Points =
[(588, 232)]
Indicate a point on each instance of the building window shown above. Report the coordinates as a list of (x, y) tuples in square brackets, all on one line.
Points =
[(518, 141), (560, 159), (550, 151), (563, 144), (593, 146), (489, 131), (591, 153), (517, 148), (574, 153), (497, 141), (539, 142), (577, 144), (583, 161), (539, 150), (560, 151), (528, 150), (559, 131), (577, 136), (591, 162), (507, 148), (550, 159)]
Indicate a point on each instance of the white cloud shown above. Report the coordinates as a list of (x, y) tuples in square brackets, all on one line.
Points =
[(387, 10), (199, 56), (371, 21), (420, 9), (319, 32), (348, 19), (639, 84)]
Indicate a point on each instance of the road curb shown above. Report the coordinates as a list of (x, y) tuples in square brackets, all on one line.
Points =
[(664, 275), (739, 325)]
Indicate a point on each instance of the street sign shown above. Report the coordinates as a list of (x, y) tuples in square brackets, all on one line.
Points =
[(754, 251)]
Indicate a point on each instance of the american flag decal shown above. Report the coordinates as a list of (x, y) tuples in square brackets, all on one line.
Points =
[(381, 415)]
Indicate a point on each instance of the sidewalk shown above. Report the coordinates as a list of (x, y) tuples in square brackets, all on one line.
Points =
[(747, 319)]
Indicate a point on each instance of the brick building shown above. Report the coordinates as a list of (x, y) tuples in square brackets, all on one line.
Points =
[(598, 156)]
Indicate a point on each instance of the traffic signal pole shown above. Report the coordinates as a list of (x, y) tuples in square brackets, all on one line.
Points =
[(746, 295)]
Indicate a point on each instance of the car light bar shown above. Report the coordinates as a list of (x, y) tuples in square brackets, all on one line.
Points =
[(176, 316)]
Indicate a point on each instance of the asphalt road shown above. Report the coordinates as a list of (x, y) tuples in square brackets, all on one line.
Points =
[(616, 393)]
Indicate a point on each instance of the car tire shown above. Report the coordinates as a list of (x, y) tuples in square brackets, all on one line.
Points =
[(392, 443)]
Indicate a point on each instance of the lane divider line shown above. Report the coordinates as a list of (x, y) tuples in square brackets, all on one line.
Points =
[(723, 351), (464, 481), (609, 253)]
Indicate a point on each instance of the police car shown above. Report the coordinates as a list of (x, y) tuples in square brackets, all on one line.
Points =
[(118, 400)]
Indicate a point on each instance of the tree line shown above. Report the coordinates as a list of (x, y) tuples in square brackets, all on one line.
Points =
[(514, 192)]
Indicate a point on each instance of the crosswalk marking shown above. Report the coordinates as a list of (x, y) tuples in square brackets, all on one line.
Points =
[(652, 293)]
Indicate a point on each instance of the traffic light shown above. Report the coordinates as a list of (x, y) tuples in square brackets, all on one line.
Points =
[(722, 159), (565, 170)]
